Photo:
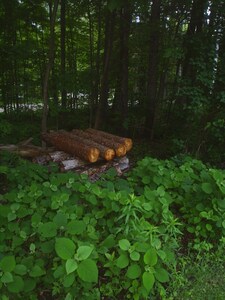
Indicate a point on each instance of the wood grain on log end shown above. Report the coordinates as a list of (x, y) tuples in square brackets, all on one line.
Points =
[(109, 154), (128, 143), (120, 151), (93, 154)]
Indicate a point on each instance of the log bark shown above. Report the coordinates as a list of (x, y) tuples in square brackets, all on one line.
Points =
[(122, 140), (80, 136), (118, 147), (70, 145), (27, 151)]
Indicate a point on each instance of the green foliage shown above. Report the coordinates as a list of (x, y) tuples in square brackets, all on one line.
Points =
[(70, 237)]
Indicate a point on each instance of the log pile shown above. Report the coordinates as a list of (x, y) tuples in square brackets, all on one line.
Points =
[(67, 144), (90, 152), (89, 144)]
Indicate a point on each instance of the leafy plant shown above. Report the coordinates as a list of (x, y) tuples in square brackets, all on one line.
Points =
[(114, 238)]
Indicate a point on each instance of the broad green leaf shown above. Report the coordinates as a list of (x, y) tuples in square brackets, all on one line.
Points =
[(16, 286), (221, 203), (223, 224), (141, 247), (53, 187), (134, 271), (208, 227), (191, 229), (8, 263), (29, 285), (35, 219), (68, 280), (148, 280), (150, 257), (11, 216), (146, 179), (48, 246), (71, 265), (76, 227), (83, 252), (37, 271), (7, 277), (88, 271), (60, 219), (64, 197), (162, 275), (147, 206), (59, 272), (69, 297), (32, 247), (48, 229), (20, 269), (92, 199), (65, 248), (207, 187), (161, 191), (124, 244), (122, 261), (109, 242), (135, 256)]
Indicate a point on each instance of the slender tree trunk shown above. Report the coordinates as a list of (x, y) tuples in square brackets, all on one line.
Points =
[(63, 50), (49, 63), (121, 94), (72, 60), (91, 50), (194, 28), (96, 78), (102, 107), (152, 81)]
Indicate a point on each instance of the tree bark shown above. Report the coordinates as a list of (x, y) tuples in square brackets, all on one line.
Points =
[(63, 51), (194, 28), (68, 144), (53, 13), (122, 140), (118, 147), (121, 95), (103, 102), (79, 135), (152, 81)]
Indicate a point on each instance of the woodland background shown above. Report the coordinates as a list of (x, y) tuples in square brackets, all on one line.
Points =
[(152, 69)]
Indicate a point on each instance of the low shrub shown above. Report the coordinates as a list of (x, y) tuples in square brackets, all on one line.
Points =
[(63, 237)]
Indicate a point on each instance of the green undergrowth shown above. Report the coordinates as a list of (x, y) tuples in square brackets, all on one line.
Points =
[(64, 237)]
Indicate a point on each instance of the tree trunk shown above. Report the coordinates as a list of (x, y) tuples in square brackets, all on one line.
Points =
[(91, 49), (63, 51), (50, 62), (121, 96), (103, 103), (194, 29), (152, 80)]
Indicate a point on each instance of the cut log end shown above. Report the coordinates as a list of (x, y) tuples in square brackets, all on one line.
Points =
[(128, 144), (120, 151), (93, 155), (109, 154)]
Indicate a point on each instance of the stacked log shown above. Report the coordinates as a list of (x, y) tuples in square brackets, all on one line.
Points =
[(70, 145), (80, 136), (127, 142), (118, 147)]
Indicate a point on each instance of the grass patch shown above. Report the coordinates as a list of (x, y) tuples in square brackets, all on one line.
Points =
[(201, 278)]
